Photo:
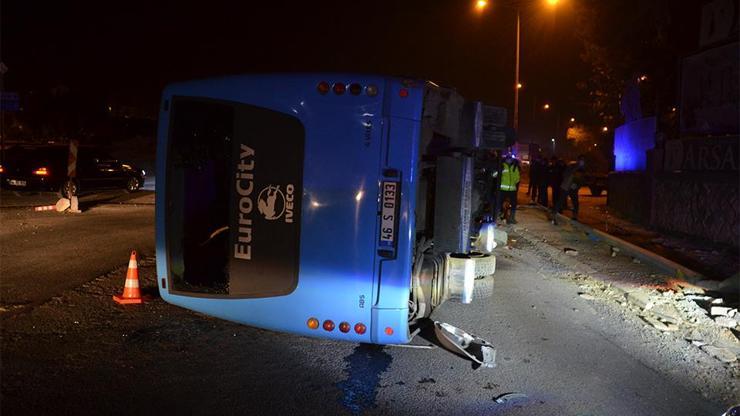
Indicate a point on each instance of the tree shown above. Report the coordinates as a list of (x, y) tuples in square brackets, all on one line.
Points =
[(623, 39)]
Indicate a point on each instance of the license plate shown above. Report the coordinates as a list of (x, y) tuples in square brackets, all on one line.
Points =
[(16, 182), (389, 213)]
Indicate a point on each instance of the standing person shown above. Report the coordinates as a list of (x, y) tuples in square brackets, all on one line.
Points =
[(558, 172), (510, 175), (552, 179), (573, 180), (545, 168), (492, 171), (535, 177)]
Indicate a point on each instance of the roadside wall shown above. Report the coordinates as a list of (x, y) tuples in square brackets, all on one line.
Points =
[(629, 196), (702, 205)]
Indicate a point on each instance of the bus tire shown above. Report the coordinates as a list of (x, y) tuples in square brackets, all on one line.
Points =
[(483, 288), (485, 265)]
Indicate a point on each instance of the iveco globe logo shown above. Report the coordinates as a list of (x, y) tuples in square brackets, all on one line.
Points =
[(273, 203)]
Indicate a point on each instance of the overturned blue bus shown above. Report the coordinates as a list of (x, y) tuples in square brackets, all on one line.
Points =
[(329, 205)]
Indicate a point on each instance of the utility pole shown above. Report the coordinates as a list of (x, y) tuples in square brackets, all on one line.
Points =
[(516, 73)]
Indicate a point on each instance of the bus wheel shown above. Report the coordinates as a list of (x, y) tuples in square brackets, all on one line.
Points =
[(483, 288), (485, 264)]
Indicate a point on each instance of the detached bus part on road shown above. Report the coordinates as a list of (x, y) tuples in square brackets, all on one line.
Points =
[(328, 205)]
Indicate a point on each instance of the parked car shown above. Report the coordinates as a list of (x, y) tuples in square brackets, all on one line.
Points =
[(44, 168)]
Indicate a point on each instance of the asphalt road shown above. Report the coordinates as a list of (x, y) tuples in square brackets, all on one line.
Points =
[(81, 354), (43, 253)]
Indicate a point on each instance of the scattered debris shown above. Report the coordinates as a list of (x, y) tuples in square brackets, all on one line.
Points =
[(614, 251), (657, 324), (722, 354), (586, 296), (507, 397), (570, 251), (725, 321), (636, 260), (720, 310), (458, 341), (718, 301), (427, 380)]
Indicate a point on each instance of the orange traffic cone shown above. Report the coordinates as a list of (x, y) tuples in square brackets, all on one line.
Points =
[(131, 292)]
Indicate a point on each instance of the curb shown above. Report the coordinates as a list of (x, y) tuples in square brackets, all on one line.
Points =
[(679, 271)]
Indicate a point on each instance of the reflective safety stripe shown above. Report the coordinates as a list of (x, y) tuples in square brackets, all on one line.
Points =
[(132, 264), (508, 187), (131, 283)]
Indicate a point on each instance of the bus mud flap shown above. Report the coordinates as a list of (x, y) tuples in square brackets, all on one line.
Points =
[(470, 346)]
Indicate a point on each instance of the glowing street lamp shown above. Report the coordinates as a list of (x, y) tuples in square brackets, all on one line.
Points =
[(572, 119), (605, 129), (546, 107), (480, 5), (519, 86)]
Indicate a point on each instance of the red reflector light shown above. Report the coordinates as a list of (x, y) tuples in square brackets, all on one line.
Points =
[(344, 327), (339, 88), (313, 323), (360, 328), (328, 325), (355, 89), (1, 169), (388, 330), (403, 93), (323, 87), (41, 172)]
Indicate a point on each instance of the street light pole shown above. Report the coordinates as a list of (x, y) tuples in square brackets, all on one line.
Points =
[(516, 73)]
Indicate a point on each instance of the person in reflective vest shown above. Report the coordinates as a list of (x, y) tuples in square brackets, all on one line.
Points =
[(509, 185)]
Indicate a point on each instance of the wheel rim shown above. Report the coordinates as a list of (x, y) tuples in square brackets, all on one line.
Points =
[(133, 184)]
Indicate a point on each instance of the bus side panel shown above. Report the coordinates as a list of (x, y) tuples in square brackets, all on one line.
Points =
[(401, 153), (339, 219)]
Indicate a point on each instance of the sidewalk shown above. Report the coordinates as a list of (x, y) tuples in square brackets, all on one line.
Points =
[(713, 261), (677, 309)]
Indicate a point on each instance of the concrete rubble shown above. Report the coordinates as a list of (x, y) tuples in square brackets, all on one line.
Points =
[(702, 320)]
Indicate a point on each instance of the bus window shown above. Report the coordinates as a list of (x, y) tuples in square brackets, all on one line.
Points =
[(232, 217)]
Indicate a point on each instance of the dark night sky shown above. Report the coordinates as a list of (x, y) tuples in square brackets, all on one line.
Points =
[(127, 51)]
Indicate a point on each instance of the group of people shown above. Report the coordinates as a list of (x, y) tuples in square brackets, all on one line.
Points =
[(503, 175), (563, 179)]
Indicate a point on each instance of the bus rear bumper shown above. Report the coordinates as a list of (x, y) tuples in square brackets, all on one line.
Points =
[(390, 326)]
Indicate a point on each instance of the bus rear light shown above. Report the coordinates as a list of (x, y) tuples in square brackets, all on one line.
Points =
[(371, 90), (328, 325), (344, 327), (339, 88), (355, 89), (323, 87), (403, 93), (41, 172), (360, 328), (388, 331), (313, 323)]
